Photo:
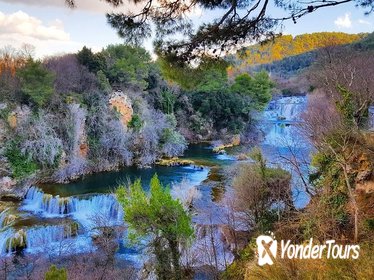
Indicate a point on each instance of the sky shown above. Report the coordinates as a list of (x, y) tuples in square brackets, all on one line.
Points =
[(52, 28)]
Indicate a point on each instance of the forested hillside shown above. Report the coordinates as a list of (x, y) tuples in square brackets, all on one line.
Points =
[(286, 45)]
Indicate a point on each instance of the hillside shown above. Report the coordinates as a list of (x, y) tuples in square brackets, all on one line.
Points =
[(286, 46)]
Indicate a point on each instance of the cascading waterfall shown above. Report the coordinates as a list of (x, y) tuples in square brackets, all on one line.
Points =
[(87, 211), (54, 239), (57, 239), (46, 204), (5, 235), (285, 108), (3, 216), (5, 232), (279, 119), (284, 140)]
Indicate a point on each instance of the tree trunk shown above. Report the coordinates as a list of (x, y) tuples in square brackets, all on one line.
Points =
[(174, 248), (353, 201)]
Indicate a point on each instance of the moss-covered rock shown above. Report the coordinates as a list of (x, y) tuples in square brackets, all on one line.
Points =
[(175, 161), (17, 242)]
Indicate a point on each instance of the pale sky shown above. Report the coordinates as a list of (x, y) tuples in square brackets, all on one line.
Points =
[(55, 29)]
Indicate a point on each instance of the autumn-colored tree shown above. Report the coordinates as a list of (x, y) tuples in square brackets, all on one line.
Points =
[(285, 46)]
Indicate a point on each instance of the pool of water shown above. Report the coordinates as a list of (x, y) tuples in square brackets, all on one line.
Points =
[(105, 182)]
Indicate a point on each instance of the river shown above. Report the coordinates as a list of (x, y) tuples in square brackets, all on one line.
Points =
[(61, 218)]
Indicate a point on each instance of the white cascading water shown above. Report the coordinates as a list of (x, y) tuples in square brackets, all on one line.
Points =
[(52, 239), (279, 120), (3, 215), (5, 235), (49, 206), (283, 136), (56, 240), (85, 210), (285, 108)]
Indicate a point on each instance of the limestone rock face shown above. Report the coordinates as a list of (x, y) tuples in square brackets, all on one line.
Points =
[(78, 118), (122, 104)]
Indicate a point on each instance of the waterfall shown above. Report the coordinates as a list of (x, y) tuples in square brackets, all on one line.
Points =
[(284, 140), (3, 216), (52, 239), (48, 205), (279, 118), (57, 240), (285, 109), (87, 211), (5, 235)]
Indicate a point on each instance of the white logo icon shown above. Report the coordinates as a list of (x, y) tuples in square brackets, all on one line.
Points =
[(266, 249)]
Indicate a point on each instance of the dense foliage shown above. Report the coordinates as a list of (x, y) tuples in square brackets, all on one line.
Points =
[(36, 82), (161, 220)]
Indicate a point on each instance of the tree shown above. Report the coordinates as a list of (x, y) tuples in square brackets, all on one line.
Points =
[(333, 122), (234, 23), (36, 82), (127, 65), (56, 274), (160, 218), (71, 76), (345, 75), (10, 61), (258, 88), (262, 194), (93, 62), (224, 109)]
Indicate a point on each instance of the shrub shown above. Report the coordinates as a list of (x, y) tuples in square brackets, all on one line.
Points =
[(21, 164), (56, 274)]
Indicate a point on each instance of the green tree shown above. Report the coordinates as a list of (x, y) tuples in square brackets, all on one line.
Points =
[(135, 122), (93, 62), (36, 82), (225, 109), (103, 82), (258, 88), (56, 274), (168, 99), (128, 66), (160, 219)]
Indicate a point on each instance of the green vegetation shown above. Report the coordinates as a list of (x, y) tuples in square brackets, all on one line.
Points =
[(258, 88), (93, 62), (160, 218), (127, 65), (55, 273), (36, 82), (135, 122), (21, 164)]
